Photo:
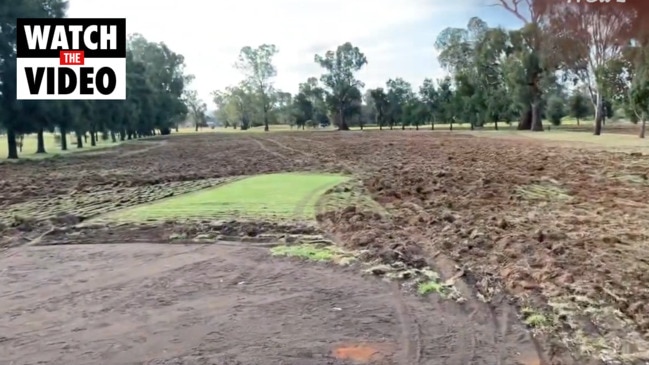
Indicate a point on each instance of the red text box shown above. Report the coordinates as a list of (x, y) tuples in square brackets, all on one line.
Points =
[(71, 58)]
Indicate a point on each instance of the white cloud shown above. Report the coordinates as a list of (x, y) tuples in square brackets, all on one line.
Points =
[(210, 33)]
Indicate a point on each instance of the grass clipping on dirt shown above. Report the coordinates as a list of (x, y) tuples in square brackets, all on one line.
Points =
[(272, 197), (546, 191), (314, 252)]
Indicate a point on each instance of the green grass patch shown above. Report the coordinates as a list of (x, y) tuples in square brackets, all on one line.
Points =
[(313, 252), (274, 197), (430, 287), (534, 319)]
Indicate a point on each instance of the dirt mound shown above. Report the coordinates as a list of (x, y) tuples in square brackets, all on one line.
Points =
[(176, 232), (371, 232)]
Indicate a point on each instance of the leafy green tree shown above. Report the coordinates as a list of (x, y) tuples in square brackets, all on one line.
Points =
[(317, 96), (447, 101), (257, 65), (578, 106), (556, 110), (303, 109), (197, 108), (284, 113), (382, 105), (339, 79), (399, 93), (430, 97)]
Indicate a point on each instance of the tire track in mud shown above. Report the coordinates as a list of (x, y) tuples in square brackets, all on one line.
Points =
[(298, 211), (266, 149), (310, 141), (143, 150), (410, 330), (283, 146), (346, 164), (510, 339)]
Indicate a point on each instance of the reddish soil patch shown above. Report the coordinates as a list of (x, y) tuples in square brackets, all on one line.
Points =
[(449, 196), (363, 353)]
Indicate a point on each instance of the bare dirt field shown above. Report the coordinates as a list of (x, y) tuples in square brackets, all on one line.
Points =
[(532, 235)]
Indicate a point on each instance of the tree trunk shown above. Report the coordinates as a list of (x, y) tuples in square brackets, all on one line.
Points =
[(176, 128), (40, 148), (450, 126), (266, 129), (537, 122), (599, 109), (64, 138), (93, 139), (113, 138), (577, 122), (643, 128), (361, 126), (80, 140), (417, 126), (85, 137), (496, 124), (12, 146), (525, 122), (196, 127), (342, 126)]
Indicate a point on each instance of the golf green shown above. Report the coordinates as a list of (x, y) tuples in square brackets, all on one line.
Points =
[(285, 196)]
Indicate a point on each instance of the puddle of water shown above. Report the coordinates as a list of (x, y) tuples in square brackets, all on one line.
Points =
[(360, 353)]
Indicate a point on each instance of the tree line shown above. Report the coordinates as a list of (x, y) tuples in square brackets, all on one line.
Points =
[(155, 87), (585, 60), (566, 58)]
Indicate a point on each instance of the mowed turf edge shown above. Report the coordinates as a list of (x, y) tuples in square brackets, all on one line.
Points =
[(271, 197)]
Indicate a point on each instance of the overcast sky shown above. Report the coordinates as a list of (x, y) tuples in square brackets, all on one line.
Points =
[(397, 36)]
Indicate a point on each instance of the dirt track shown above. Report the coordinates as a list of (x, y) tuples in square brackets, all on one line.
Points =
[(212, 304), (452, 199)]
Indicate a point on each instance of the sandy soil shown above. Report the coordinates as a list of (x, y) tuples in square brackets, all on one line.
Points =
[(557, 230)]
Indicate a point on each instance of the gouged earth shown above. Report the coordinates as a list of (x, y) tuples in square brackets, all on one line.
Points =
[(552, 237)]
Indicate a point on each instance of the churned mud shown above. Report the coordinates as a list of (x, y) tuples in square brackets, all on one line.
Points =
[(538, 238)]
